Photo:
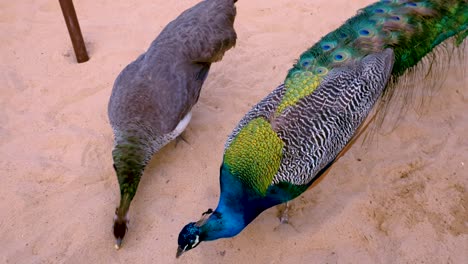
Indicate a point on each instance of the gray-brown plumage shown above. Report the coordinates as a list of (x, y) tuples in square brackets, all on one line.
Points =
[(153, 96)]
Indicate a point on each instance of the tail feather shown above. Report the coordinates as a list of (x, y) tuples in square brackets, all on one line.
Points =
[(417, 87), (414, 30)]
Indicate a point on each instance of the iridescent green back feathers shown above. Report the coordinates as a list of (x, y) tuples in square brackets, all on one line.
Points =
[(411, 28)]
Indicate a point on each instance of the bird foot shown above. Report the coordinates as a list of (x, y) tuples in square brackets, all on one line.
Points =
[(283, 213), (283, 216)]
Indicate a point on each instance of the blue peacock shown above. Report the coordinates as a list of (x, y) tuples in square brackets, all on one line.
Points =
[(286, 141)]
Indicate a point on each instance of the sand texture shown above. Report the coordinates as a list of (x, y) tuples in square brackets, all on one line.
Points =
[(398, 198)]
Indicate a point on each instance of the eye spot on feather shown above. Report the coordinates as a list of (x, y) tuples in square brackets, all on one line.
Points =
[(340, 56), (306, 63), (321, 71), (396, 18), (296, 74), (328, 45), (364, 32), (411, 4), (379, 11)]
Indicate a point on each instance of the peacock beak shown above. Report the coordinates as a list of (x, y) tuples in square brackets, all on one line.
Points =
[(180, 251), (118, 242)]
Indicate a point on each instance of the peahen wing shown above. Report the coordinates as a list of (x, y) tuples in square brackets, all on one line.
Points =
[(320, 125), (202, 33)]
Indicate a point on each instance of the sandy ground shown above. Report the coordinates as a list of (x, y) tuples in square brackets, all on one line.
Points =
[(401, 198)]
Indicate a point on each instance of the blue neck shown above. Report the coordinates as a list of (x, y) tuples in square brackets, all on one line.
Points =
[(237, 207)]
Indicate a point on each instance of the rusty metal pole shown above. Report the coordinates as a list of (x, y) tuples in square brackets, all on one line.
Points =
[(73, 26)]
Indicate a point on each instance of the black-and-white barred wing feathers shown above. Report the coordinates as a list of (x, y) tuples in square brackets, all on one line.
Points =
[(265, 108), (321, 124)]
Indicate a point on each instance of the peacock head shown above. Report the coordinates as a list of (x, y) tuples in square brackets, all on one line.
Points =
[(120, 228), (191, 235)]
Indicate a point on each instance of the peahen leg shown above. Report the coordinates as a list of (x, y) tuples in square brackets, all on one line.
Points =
[(180, 129), (180, 138)]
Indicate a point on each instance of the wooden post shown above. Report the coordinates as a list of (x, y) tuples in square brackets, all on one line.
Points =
[(73, 26)]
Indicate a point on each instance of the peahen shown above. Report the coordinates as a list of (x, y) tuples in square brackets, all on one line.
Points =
[(286, 141), (153, 96)]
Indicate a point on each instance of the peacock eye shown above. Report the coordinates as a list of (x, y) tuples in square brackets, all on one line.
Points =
[(209, 211)]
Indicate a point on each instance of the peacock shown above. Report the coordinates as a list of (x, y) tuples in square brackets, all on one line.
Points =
[(292, 136), (152, 97)]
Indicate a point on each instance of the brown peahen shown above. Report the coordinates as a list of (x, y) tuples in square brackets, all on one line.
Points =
[(153, 96)]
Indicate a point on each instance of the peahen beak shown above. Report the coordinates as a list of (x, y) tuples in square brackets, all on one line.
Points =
[(118, 242), (180, 251)]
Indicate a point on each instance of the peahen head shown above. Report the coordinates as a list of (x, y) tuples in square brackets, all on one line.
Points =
[(120, 228), (128, 165), (191, 235)]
